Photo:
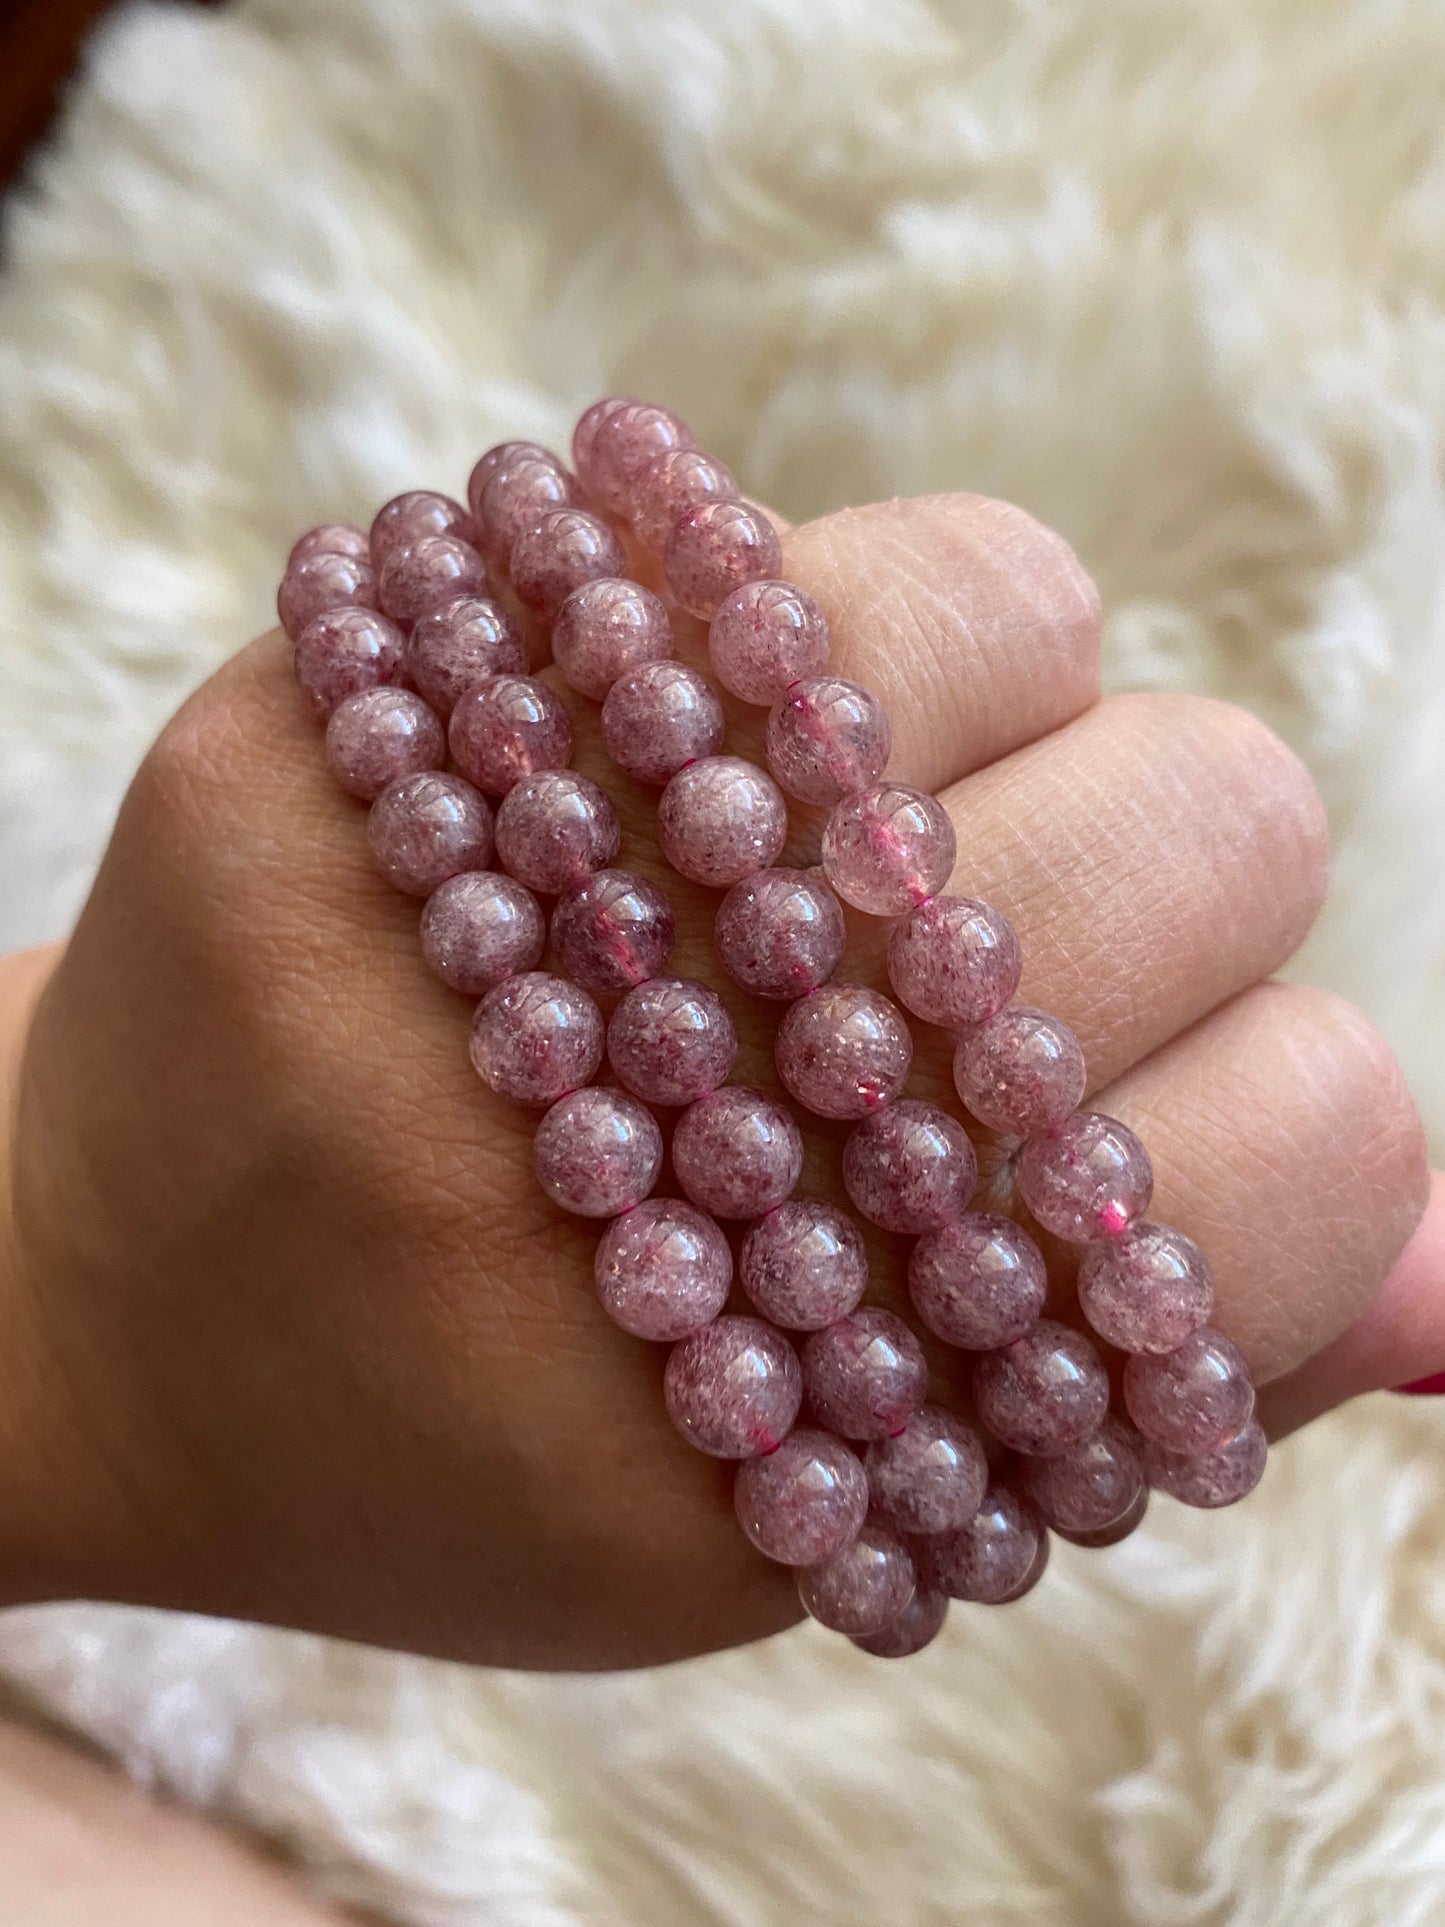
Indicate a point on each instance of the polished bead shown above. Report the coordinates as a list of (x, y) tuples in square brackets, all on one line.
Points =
[(715, 549), (1020, 1072), (597, 1152), (321, 581), (804, 1502), (917, 1626), (556, 829), (614, 931), (429, 572), (406, 518), (865, 1587), (1091, 1486), (378, 735), (558, 554), (584, 435), (535, 1037), (1147, 1291), (733, 1389), (478, 928), (1044, 1392), (663, 1270), (1193, 1399), (425, 828), (1211, 1479), (721, 819), (843, 1051), (804, 1264), (737, 1152), (660, 717), (864, 1374), (1038, 1566), (764, 637), (606, 628), (508, 728), (330, 538), (780, 933), (465, 641), (1089, 1179), (826, 738), (990, 1558), (909, 1167), (514, 497), (887, 848), (343, 651), (954, 961), (931, 1476), (502, 455), (1114, 1533), (670, 486), (671, 1040), (625, 443), (978, 1282)]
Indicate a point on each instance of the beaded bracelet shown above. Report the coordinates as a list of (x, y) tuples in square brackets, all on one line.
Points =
[(408, 647)]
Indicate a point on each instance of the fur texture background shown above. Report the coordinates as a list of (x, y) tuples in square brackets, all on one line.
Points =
[(1169, 272)]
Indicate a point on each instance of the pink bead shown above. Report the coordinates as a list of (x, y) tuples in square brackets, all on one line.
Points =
[(720, 820), (330, 538), (910, 1167), (535, 1037), (764, 637), (508, 728), (343, 651), (954, 962), (378, 735), (715, 549), (625, 442), (931, 1476), (1043, 1393), (843, 1051), (478, 928), (1211, 1479), (606, 628), (670, 486), (425, 828), (887, 848), (556, 829), (804, 1502), (989, 1559), (780, 933), (804, 1264), (1148, 1291), (1092, 1486), (406, 518), (465, 641), (826, 738), (428, 572), (865, 1587), (733, 1389), (658, 718), (671, 1040), (1114, 1533), (663, 1270), (321, 581), (736, 1152), (515, 496), (1021, 1072), (865, 1374), (1193, 1399), (503, 455), (1089, 1179), (597, 1152), (613, 932), (917, 1626), (980, 1282), (558, 554), (584, 435), (1038, 1565)]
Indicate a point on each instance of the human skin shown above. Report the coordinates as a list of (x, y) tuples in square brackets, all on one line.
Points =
[(288, 1332)]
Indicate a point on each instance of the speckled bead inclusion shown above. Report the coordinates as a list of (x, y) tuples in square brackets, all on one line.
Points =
[(558, 554), (406, 518), (826, 738), (954, 961), (424, 574), (378, 735), (887, 848), (479, 928), (1088, 1180), (503, 455), (764, 637), (863, 1588), (606, 628), (614, 931), (917, 1626), (343, 651), (597, 1152), (864, 1374), (1042, 1393), (1148, 1291), (720, 820), (536, 1037), (671, 1040), (671, 485), (780, 933), (584, 435), (931, 1476), (1210, 1479), (804, 1264), (991, 1557), (716, 548), (508, 728), (910, 1167), (1092, 1486), (515, 496), (425, 828), (659, 717), (556, 829), (623, 445), (734, 1388), (321, 581), (736, 1152), (1193, 1399), (663, 1270), (804, 1502), (843, 1051), (1020, 1072), (330, 538), (464, 641), (979, 1282)]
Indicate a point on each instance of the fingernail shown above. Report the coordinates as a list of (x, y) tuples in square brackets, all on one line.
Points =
[(1431, 1387)]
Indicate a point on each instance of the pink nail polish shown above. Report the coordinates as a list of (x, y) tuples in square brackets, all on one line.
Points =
[(1431, 1387)]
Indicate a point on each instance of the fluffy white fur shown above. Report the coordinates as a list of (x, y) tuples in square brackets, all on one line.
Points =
[(1170, 272)]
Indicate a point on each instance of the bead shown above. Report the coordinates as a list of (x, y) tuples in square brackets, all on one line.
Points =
[(736, 1152), (734, 1388), (1147, 1291), (826, 738), (1020, 1072), (330, 538), (931, 1476), (428, 572), (321, 581), (716, 548), (917, 1626), (478, 928), (597, 1152), (671, 485), (625, 442), (764, 637), (378, 735), (1038, 1565), (1044, 1392), (556, 829), (721, 819), (614, 931), (658, 718), (992, 1557), (953, 961), (343, 651), (671, 1041), (1113, 1534), (425, 828), (888, 847), (909, 1167), (1089, 1179), (555, 555), (502, 455), (406, 518), (978, 1282), (535, 1037), (584, 435), (1211, 1479), (1193, 1399), (465, 641), (843, 1051), (804, 1502), (606, 628), (865, 1587), (804, 1264), (864, 1374), (508, 728), (515, 496), (663, 1270), (1092, 1486), (780, 933)]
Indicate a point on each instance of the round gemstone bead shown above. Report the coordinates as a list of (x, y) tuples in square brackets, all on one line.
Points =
[(1092, 1486), (954, 961), (931, 1476), (343, 651), (584, 435), (597, 1152), (1090, 1179), (910, 1167), (321, 581), (536, 1037), (1020, 1072), (1148, 1291), (764, 637), (887, 848), (780, 933), (424, 574), (843, 1051), (657, 718), (406, 518), (606, 628), (864, 1374), (625, 443), (614, 931), (865, 1587), (663, 1270), (378, 735), (1115, 1532), (720, 820), (502, 455), (715, 549), (1211, 1479), (330, 538), (671, 485), (917, 1626), (515, 496), (979, 1282), (804, 1502), (736, 1152), (555, 829), (1193, 1399), (1044, 1392), (478, 928), (733, 1389), (804, 1264), (1038, 1566), (991, 1558), (508, 728), (826, 738), (671, 1040), (465, 641), (556, 555), (425, 828)]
